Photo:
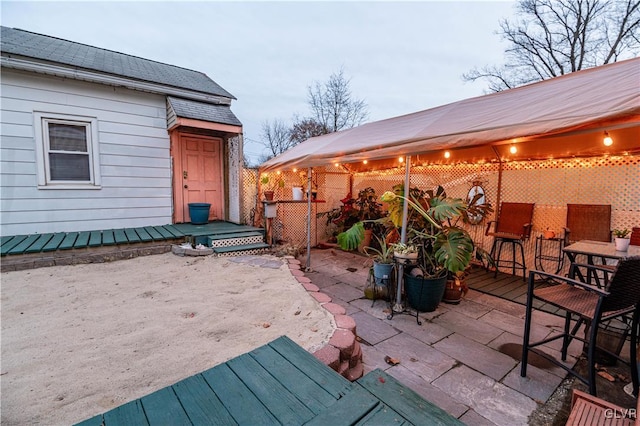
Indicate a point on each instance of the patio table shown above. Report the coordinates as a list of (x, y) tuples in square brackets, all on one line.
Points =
[(593, 249)]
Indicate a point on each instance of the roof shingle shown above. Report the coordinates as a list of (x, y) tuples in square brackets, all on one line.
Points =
[(52, 49)]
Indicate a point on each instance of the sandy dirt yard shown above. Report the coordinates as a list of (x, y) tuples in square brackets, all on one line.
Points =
[(80, 340)]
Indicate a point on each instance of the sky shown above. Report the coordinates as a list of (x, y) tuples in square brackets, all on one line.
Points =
[(399, 57)]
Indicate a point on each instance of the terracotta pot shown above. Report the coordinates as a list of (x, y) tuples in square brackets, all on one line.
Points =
[(453, 292), (268, 195), (366, 242)]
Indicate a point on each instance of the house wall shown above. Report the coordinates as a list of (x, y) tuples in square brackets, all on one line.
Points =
[(134, 157)]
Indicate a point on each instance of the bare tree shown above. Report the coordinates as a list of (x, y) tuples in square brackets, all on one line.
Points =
[(556, 37), (304, 129), (276, 138), (332, 105)]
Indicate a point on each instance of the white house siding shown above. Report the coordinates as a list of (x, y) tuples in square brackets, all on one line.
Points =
[(135, 164)]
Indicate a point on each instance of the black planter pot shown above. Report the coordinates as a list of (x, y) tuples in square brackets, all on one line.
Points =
[(424, 294)]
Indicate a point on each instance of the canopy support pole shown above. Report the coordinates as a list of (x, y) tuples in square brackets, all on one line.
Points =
[(403, 234), (308, 268)]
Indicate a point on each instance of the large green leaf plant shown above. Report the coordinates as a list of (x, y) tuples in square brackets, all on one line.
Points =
[(434, 225)]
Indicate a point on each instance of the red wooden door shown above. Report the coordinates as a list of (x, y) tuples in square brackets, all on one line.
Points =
[(202, 177)]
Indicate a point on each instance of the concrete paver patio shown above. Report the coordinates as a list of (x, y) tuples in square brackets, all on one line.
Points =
[(465, 358)]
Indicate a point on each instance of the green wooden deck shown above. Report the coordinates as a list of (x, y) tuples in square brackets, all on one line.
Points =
[(278, 383), (49, 242)]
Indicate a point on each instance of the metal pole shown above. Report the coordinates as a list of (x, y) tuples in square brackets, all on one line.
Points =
[(308, 268), (403, 234)]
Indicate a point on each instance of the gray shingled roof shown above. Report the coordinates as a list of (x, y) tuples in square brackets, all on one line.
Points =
[(52, 49), (203, 111)]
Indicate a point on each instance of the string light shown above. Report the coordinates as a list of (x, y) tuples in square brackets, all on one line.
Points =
[(513, 149), (401, 159), (607, 141), (336, 164), (447, 154), (295, 170), (364, 162)]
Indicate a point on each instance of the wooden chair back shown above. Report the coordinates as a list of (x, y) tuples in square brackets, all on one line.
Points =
[(635, 237), (515, 218), (588, 222)]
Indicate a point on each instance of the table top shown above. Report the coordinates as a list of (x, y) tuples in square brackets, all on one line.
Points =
[(602, 249), (278, 383)]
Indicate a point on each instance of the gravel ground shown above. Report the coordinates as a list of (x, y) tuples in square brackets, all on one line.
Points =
[(557, 408)]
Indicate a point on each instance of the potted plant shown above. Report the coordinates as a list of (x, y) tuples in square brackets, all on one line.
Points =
[(269, 185), (622, 239), (382, 261), (363, 210), (434, 227), (404, 251)]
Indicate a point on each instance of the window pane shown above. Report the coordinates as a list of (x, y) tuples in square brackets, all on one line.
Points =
[(69, 167), (65, 137)]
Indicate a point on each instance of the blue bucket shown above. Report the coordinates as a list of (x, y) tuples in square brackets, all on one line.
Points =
[(199, 213)]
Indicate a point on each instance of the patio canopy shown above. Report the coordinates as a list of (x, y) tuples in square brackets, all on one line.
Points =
[(562, 117)]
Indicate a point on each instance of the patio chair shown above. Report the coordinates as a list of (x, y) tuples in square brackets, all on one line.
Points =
[(590, 305), (635, 237), (588, 222), (513, 225)]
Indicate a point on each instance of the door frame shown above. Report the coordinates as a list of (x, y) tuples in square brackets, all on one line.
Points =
[(176, 137)]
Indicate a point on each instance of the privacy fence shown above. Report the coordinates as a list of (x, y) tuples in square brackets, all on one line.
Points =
[(550, 184)]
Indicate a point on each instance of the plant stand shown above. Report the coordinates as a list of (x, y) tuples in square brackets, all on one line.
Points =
[(401, 308)]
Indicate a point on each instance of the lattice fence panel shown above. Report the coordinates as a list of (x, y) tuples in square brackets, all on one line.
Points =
[(551, 184), (249, 196)]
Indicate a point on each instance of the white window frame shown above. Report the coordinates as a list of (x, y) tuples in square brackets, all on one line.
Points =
[(41, 121)]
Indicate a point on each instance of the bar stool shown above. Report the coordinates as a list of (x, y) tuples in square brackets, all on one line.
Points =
[(512, 226)]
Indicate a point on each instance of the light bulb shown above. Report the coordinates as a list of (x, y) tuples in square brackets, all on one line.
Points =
[(364, 162), (400, 159), (607, 141), (447, 154), (513, 149)]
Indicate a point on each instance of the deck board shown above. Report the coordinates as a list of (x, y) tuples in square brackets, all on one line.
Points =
[(405, 401), (13, 246), (261, 387), (334, 384), (108, 238), (241, 403), (130, 413), (283, 404), (82, 241), (24, 244), (308, 392), (153, 233), (68, 241), (348, 410), (54, 242), (201, 402), (38, 245), (120, 236), (143, 235), (95, 239), (163, 407), (131, 235)]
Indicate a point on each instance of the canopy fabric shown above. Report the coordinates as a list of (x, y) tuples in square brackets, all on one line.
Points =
[(560, 117)]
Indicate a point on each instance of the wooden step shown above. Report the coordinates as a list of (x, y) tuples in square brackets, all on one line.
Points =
[(236, 235), (241, 248), (214, 242)]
